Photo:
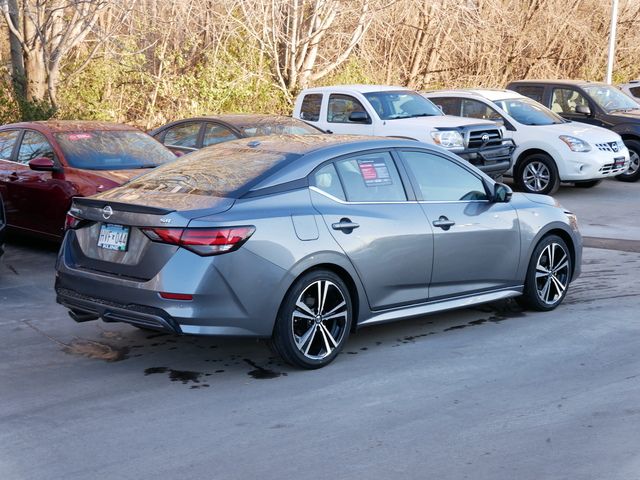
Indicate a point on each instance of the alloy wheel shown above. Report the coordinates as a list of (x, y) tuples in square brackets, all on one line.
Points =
[(319, 319), (634, 163), (552, 273), (536, 176)]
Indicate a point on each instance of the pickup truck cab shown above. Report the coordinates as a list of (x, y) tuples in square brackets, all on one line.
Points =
[(402, 113), (594, 103), (550, 149)]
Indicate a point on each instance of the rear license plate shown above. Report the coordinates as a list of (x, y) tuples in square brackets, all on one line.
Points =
[(113, 237)]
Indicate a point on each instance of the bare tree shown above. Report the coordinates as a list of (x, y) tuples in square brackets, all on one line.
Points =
[(304, 40), (41, 35)]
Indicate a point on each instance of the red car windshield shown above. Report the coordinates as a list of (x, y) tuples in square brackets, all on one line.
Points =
[(112, 150)]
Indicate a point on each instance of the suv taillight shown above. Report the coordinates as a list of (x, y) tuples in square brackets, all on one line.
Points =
[(203, 241)]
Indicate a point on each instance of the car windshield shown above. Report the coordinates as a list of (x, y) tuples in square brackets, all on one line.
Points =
[(112, 150), (279, 127), (219, 171), (610, 99), (401, 104), (529, 112)]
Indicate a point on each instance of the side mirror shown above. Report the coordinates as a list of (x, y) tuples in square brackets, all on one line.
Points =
[(42, 164), (584, 110), (501, 193), (359, 117)]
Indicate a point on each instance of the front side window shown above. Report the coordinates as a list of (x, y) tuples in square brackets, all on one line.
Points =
[(529, 112), (327, 180), (183, 135), (34, 145), (310, 108), (371, 177), (341, 107), (391, 105), (112, 150), (442, 180), (7, 142), (565, 100), (610, 99), (214, 133), (477, 109)]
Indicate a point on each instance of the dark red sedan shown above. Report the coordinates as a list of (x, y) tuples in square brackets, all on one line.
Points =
[(43, 165)]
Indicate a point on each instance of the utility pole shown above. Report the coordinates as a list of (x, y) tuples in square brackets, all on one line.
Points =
[(612, 40)]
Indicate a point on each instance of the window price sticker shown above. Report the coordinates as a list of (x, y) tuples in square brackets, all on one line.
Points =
[(375, 172)]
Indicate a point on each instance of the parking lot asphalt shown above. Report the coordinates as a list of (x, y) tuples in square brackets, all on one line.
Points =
[(486, 393)]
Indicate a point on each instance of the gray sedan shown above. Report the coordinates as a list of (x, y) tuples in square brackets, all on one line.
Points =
[(303, 239)]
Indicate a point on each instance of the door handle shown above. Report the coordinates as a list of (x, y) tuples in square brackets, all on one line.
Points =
[(345, 224), (443, 223), (13, 176)]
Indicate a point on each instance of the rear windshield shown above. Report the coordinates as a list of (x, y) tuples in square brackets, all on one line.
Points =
[(279, 127), (219, 171), (112, 150)]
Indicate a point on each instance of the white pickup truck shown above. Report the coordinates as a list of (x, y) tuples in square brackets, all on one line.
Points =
[(400, 112)]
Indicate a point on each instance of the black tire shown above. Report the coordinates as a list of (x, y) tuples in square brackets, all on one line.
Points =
[(549, 180), (539, 286), (633, 173), (326, 329), (589, 184)]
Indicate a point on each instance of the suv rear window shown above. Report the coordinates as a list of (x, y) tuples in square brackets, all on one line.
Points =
[(310, 108), (219, 171), (112, 150), (533, 92)]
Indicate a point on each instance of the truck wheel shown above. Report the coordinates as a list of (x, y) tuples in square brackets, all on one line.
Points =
[(633, 173), (537, 173)]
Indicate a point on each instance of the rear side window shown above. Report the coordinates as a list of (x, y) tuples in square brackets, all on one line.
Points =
[(183, 135), (214, 133), (34, 145), (371, 177), (635, 91), (7, 142), (448, 105), (327, 180), (310, 109), (535, 93), (441, 180), (477, 109)]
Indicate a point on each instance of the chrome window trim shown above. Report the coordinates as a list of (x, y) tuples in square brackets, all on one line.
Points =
[(345, 202)]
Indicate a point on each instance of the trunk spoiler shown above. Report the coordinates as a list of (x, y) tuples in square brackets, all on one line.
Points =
[(122, 207)]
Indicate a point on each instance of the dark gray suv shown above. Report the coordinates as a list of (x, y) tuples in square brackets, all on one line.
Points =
[(302, 239)]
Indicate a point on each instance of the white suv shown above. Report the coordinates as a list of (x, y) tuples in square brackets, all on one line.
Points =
[(549, 149), (400, 112)]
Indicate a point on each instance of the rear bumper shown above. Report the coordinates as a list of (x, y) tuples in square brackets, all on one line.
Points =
[(83, 308), (494, 161), (228, 299)]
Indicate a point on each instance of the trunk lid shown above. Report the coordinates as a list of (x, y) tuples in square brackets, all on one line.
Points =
[(124, 215)]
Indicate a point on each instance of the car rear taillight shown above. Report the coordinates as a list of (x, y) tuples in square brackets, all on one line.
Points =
[(203, 241), (71, 222)]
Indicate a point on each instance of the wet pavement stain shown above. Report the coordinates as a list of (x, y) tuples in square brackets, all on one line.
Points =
[(183, 376), (261, 373), (97, 350)]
